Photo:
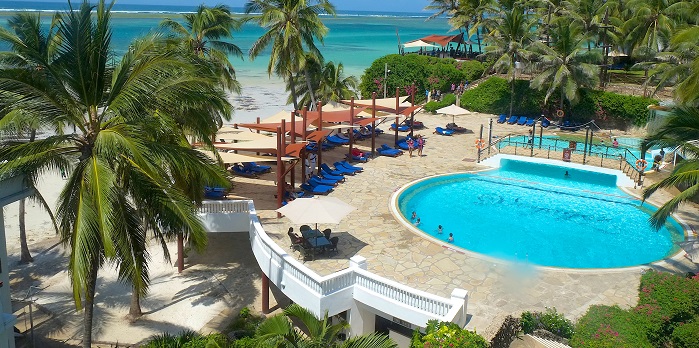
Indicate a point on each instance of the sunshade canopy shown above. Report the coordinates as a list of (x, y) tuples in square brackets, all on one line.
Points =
[(228, 158), (337, 115), (444, 40), (453, 110), (316, 210), (418, 43)]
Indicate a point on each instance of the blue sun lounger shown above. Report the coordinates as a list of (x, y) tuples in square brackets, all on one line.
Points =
[(402, 128), (530, 121), (545, 122), (340, 170), (318, 190), (522, 120), (316, 180), (242, 172), (384, 150), (502, 118), (326, 169), (512, 120), (334, 139), (376, 130), (345, 165), (442, 131), (214, 192), (336, 178)]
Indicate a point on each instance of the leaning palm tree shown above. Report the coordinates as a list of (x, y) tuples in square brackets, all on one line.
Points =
[(292, 26), (30, 52), (565, 65), (203, 32), (681, 131), (509, 39), (279, 331), (128, 156)]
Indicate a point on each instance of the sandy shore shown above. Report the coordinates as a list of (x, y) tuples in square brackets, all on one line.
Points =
[(225, 278)]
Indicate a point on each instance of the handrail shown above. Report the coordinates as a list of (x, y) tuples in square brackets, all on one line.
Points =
[(277, 260)]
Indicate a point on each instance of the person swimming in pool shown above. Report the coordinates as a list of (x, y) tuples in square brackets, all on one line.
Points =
[(414, 216), (567, 175), (439, 229), (451, 238), (417, 222)]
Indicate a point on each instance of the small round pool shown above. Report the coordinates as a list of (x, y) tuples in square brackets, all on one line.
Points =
[(535, 213)]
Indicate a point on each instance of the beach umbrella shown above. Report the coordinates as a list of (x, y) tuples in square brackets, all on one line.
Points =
[(691, 247), (315, 210), (418, 43), (453, 110)]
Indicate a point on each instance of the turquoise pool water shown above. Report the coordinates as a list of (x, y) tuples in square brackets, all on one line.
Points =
[(533, 213), (628, 147)]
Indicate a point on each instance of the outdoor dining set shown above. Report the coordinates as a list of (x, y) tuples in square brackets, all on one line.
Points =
[(312, 241)]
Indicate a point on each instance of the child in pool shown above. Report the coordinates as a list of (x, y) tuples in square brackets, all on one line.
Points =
[(439, 229), (451, 238)]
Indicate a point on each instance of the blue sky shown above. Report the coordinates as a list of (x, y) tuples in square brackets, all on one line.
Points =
[(356, 5)]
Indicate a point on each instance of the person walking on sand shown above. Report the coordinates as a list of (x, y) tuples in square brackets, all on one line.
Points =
[(420, 145), (411, 146)]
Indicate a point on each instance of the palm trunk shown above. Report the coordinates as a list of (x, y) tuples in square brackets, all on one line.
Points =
[(293, 91), (25, 255), (90, 301), (308, 85), (512, 85), (561, 108), (135, 308), (478, 38)]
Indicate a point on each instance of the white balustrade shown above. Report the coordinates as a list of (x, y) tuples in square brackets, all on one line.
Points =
[(333, 293)]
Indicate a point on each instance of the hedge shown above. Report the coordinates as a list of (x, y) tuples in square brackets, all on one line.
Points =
[(426, 72), (493, 96), (686, 336), (609, 327), (447, 99), (445, 334)]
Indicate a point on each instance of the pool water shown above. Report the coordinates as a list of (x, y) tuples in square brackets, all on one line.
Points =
[(533, 213), (628, 147)]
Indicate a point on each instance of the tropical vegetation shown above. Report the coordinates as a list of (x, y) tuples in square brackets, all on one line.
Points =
[(130, 169)]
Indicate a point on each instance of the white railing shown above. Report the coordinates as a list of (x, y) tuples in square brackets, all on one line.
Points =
[(226, 206), (334, 293)]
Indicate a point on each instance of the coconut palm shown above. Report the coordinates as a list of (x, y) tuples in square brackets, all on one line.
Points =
[(129, 155), (565, 65), (30, 52), (509, 39), (681, 131), (280, 331), (652, 22), (442, 8), (203, 32), (292, 28), (335, 86)]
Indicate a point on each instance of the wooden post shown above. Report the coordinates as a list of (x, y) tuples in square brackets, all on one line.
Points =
[(304, 114), (320, 128), (257, 131), (373, 125), (479, 150), (180, 252), (351, 130), (395, 142), (412, 113), (265, 293), (280, 170), (292, 180)]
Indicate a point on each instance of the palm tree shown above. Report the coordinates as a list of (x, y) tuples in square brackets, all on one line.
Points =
[(30, 52), (203, 33), (442, 8), (681, 131), (292, 28), (128, 156), (566, 66), (510, 38), (328, 82), (279, 331), (652, 22)]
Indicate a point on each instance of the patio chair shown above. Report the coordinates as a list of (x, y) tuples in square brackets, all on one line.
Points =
[(327, 232), (334, 241)]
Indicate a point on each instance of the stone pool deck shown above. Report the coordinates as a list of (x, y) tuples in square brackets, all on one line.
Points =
[(496, 289)]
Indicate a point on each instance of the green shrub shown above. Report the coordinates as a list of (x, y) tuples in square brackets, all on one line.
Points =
[(245, 323), (551, 321), (245, 342), (493, 97), (686, 336), (426, 72), (665, 300), (447, 100), (609, 327), (447, 335), (187, 339)]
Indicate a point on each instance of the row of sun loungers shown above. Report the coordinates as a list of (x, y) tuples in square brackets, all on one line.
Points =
[(250, 169), (329, 178), (523, 120)]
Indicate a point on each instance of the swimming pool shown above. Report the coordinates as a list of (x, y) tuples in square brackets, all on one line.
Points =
[(531, 212)]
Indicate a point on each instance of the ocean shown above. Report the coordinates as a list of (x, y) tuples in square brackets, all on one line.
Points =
[(355, 39)]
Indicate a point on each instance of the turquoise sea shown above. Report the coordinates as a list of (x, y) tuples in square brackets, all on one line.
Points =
[(355, 39)]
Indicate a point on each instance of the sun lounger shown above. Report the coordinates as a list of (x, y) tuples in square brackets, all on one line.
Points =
[(512, 120), (530, 121), (502, 118), (237, 170), (416, 124), (214, 192), (318, 190), (343, 170), (336, 178), (545, 122), (334, 139), (442, 131), (401, 128), (358, 158), (403, 143), (326, 169), (377, 131), (522, 120), (254, 168), (385, 147), (316, 180), (389, 152), (346, 164)]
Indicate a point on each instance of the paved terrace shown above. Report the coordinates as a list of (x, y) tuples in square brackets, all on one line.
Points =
[(496, 289)]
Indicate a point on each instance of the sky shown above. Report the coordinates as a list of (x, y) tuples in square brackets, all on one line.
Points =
[(353, 5)]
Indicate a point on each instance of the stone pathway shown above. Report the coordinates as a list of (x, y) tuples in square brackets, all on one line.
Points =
[(496, 288)]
